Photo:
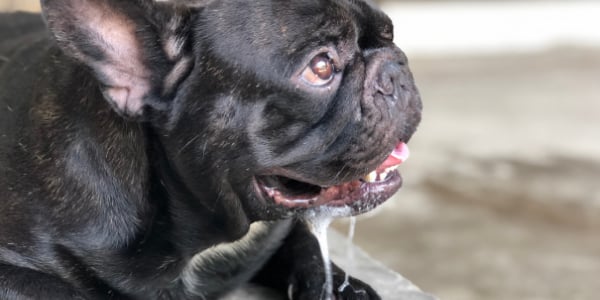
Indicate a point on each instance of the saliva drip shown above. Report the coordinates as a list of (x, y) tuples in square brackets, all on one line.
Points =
[(319, 229), (319, 220), (349, 253)]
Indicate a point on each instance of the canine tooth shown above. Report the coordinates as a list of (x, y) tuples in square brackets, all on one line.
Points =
[(371, 177), (384, 174)]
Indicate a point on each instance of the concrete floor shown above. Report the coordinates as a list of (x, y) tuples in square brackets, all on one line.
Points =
[(502, 192)]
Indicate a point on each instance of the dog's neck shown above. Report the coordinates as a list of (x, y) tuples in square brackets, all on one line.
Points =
[(129, 170), (219, 222)]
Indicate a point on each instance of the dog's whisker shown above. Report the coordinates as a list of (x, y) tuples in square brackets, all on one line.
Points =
[(339, 173), (204, 149), (188, 144)]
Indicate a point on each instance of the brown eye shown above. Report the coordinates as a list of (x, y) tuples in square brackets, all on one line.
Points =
[(322, 67), (320, 70)]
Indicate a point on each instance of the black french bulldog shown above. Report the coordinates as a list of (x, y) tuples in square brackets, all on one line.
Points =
[(170, 150)]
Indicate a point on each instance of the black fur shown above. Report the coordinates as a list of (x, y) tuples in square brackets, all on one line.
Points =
[(113, 181)]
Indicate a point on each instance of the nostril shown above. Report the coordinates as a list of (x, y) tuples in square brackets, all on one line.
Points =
[(385, 84), (388, 79)]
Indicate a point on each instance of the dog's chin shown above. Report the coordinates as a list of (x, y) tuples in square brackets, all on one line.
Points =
[(288, 190)]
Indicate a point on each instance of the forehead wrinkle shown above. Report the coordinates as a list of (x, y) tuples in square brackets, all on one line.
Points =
[(284, 34)]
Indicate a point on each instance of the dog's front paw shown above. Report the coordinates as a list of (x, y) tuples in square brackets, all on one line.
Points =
[(354, 290), (314, 288)]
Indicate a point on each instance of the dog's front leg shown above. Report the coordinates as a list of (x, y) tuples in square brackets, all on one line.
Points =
[(297, 269)]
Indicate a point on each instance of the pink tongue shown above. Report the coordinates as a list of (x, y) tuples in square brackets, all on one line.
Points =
[(398, 156)]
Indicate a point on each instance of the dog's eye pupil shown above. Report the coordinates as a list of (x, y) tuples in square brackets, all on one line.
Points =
[(320, 71), (322, 67)]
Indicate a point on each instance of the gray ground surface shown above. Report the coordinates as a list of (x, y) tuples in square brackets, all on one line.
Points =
[(502, 192)]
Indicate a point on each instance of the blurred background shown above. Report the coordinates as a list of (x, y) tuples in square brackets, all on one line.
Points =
[(26, 5), (502, 193)]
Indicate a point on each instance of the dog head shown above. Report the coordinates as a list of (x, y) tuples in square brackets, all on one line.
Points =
[(270, 105)]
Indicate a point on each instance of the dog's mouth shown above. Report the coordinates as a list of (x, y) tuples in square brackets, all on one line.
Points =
[(360, 195)]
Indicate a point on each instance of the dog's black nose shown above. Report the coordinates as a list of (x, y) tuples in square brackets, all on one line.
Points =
[(392, 82)]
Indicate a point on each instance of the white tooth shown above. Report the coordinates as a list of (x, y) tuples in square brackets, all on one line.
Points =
[(392, 168), (371, 177), (385, 173)]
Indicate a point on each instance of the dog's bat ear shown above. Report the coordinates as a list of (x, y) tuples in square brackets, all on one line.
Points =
[(134, 48)]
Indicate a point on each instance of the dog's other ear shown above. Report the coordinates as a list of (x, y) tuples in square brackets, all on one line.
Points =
[(134, 48)]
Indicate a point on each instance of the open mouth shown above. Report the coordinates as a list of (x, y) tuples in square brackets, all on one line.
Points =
[(359, 195)]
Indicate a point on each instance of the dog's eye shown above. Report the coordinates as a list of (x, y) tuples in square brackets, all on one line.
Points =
[(320, 70)]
